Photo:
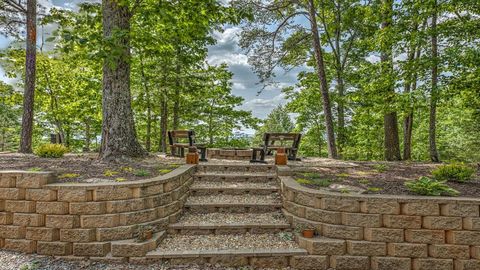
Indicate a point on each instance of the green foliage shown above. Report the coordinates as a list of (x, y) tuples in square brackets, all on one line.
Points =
[(51, 150), (141, 172), (315, 182), (430, 187), (454, 172), (374, 189), (164, 171), (110, 173), (34, 169)]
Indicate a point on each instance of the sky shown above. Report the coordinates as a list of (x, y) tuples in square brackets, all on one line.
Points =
[(245, 82)]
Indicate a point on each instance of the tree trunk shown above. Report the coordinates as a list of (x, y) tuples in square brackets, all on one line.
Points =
[(30, 73), (410, 86), (163, 124), (327, 110), (118, 127), (176, 97), (148, 139), (88, 138), (434, 95), (390, 120), (340, 83)]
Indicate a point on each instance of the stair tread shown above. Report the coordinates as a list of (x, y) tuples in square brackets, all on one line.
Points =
[(236, 174), (244, 244), (216, 220), (243, 199), (216, 185)]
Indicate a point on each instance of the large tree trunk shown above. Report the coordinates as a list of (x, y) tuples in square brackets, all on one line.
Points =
[(434, 95), (118, 127), (327, 110), (30, 73), (390, 120)]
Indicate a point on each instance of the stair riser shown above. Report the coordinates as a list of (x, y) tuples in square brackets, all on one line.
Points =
[(243, 168), (279, 261), (225, 231), (236, 178), (232, 209), (213, 192)]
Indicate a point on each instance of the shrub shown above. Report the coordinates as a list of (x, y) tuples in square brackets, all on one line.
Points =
[(51, 150), (454, 172), (430, 187)]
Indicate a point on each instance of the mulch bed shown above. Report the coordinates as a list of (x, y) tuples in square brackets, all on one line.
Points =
[(378, 177), (87, 168)]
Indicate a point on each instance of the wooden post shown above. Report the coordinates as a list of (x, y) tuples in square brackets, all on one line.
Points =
[(192, 155), (280, 157)]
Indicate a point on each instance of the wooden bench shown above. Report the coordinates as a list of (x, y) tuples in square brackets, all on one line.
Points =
[(177, 147), (269, 140)]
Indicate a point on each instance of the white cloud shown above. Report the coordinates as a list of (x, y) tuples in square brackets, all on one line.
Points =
[(229, 59)]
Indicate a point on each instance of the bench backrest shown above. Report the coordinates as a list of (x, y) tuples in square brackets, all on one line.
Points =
[(270, 138), (175, 135)]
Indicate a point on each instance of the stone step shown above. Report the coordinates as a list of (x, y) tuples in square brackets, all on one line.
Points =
[(235, 177), (242, 167), (232, 207), (244, 203), (133, 248), (225, 223), (260, 250), (200, 188)]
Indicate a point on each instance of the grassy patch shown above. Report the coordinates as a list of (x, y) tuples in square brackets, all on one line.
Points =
[(164, 171), (374, 189), (34, 169), (315, 182), (68, 175), (120, 179), (381, 167), (364, 181), (343, 175)]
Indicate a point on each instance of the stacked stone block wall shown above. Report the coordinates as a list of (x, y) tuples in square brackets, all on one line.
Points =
[(229, 154), (385, 232), (84, 219)]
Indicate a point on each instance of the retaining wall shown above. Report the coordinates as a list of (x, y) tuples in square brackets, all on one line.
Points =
[(229, 154), (88, 220), (385, 232)]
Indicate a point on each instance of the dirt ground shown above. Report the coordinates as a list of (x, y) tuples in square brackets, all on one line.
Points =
[(374, 177), (76, 168)]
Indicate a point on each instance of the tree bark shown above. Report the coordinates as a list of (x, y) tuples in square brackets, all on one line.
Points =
[(390, 120), (176, 97), (148, 139), (327, 110), (410, 86), (434, 94), (30, 73), (88, 138), (163, 123), (118, 127)]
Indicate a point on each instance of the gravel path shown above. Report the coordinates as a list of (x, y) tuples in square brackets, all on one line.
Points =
[(223, 184), (225, 241), (17, 261), (245, 198), (231, 218)]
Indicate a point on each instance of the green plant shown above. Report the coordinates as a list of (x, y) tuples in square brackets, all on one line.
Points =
[(120, 179), (287, 236), (110, 173), (127, 169), (374, 189), (430, 187), (344, 190), (311, 175), (454, 172), (343, 175), (141, 172), (164, 171), (380, 167), (30, 266), (322, 182), (51, 150), (364, 181), (304, 181), (68, 175), (34, 169)]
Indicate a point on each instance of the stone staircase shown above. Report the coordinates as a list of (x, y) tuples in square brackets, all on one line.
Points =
[(233, 217)]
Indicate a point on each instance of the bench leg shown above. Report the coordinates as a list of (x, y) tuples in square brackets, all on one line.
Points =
[(203, 154), (182, 152), (254, 157)]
